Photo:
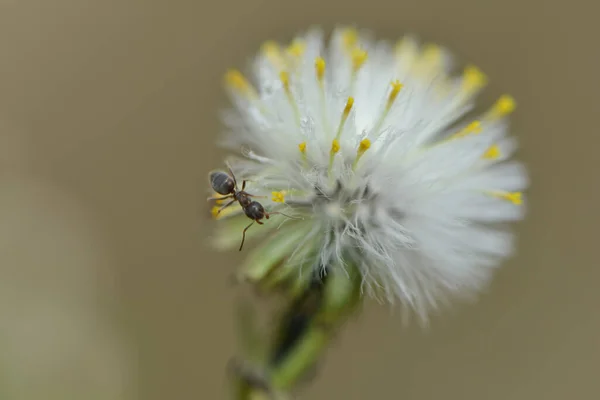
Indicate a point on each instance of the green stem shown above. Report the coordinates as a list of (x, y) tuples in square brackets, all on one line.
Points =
[(286, 375), (304, 333)]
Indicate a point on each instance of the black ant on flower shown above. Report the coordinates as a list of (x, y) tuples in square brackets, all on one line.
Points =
[(225, 184)]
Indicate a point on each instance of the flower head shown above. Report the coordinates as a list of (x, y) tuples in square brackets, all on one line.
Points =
[(369, 148)]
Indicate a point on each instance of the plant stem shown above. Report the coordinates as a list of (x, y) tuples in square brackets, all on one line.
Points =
[(303, 333)]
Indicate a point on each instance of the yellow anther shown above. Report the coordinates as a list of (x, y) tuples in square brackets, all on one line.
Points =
[(297, 48), (350, 38), (400, 46), (236, 81), (406, 52), (335, 146), (359, 56), (396, 87), (320, 68), (492, 153), (285, 80), (320, 72), (405, 45), (429, 61), (513, 197), (272, 51), (364, 145), (348, 108), (270, 46), (504, 106), (278, 197), (224, 212), (284, 77), (302, 147), (219, 197), (431, 52), (473, 127), (473, 79)]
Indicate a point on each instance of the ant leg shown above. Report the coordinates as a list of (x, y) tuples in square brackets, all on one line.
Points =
[(259, 222), (220, 198), (225, 206), (258, 197), (244, 235), (251, 195)]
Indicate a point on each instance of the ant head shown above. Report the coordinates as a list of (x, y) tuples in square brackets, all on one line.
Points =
[(254, 210)]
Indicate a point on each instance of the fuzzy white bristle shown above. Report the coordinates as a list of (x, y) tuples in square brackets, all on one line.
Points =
[(366, 143)]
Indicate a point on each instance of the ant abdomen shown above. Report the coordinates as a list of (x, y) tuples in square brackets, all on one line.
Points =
[(221, 182)]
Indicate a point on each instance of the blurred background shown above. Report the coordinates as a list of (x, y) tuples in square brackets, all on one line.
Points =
[(108, 115)]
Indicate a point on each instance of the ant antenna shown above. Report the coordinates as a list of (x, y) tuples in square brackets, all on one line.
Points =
[(285, 215), (233, 176)]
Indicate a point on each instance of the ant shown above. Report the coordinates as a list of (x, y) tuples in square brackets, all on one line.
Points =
[(225, 184)]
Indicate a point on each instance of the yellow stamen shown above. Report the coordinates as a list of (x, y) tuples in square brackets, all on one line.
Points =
[(335, 146), (473, 79), (350, 39), (396, 87), (225, 212), (302, 147), (297, 48), (431, 52), (405, 46), (473, 127), (221, 201), (272, 51), (270, 46), (285, 81), (219, 198), (320, 69), (347, 109), (514, 197), (278, 197), (406, 53), (364, 145), (492, 153), (236, 81), (504, 106), (428, 62), (359, 57)]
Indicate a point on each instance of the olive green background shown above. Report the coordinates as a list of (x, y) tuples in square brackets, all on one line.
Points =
[(108, 115)]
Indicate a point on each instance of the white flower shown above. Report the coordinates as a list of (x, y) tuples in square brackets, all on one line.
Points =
[(370, 146)]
